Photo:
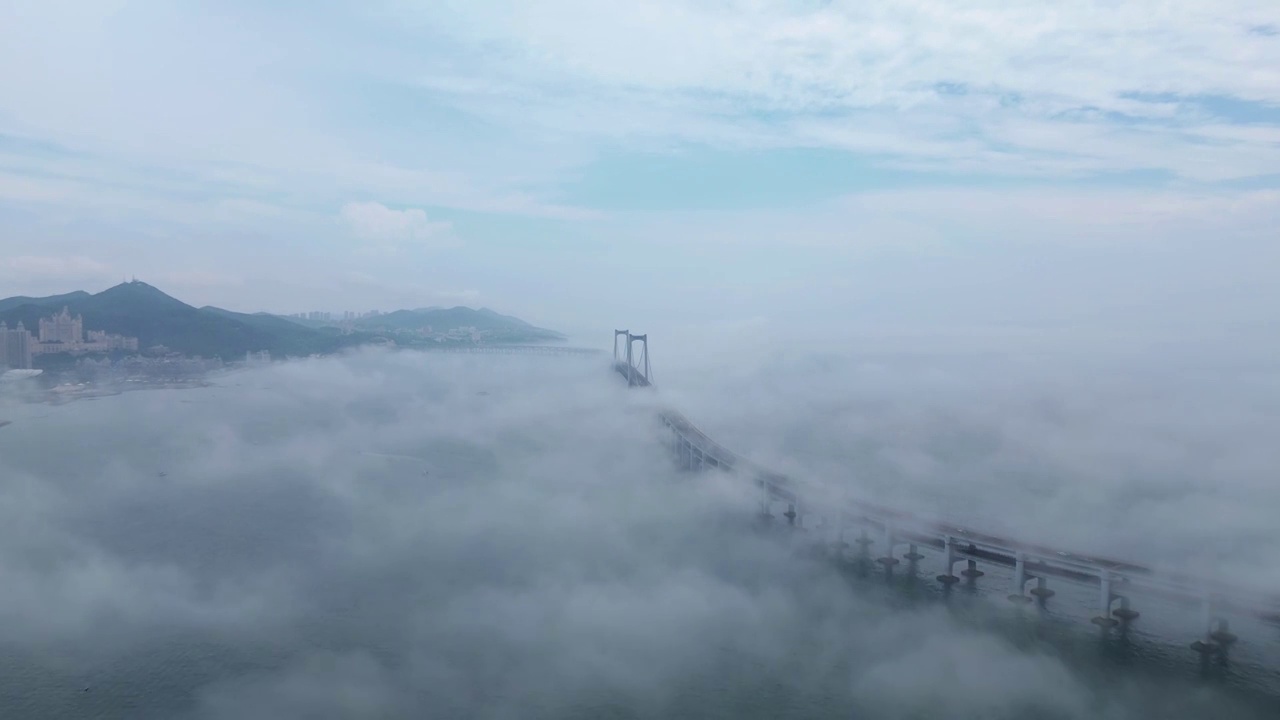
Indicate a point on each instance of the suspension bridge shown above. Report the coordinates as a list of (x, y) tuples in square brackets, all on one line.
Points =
[(1119, 584)]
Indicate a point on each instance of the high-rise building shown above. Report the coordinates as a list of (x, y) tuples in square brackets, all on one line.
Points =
[(62, 328), (15, 347)]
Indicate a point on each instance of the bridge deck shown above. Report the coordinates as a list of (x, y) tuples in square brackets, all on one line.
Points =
[(633, 376), (1038, 559)]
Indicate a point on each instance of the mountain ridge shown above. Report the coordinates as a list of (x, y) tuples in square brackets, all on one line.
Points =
[(136, 309), (459, 316)]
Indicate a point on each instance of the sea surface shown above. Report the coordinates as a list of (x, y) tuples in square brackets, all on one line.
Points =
[(400, 535)]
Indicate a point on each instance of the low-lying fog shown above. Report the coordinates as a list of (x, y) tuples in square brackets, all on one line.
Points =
[(1160, 453), (405, 535)]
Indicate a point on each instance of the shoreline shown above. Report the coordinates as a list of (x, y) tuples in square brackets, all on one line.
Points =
[(53, 396)]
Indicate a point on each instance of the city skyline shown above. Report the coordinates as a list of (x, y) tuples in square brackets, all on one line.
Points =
[(60, 332)]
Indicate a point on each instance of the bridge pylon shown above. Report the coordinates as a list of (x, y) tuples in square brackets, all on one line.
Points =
[(630, 364)]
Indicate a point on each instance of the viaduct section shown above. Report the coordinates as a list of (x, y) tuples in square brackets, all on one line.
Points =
[(891, 530)]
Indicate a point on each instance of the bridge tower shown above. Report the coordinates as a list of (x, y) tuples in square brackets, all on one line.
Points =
[(618, 356), (632, 365)]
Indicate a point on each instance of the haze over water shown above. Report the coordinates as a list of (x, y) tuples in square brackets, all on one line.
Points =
[(405, 535)]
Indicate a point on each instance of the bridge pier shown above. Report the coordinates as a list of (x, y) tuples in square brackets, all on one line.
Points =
[(1218, 637), (1222, 634), (1040, 591), (888, 560), (1019, 579), (864, 543), (1125, 613), (949, 557), (1104, 619)]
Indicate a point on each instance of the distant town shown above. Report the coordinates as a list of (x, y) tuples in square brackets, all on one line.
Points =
[(60, 333), (350, 321), (133, 335), (347, 316)]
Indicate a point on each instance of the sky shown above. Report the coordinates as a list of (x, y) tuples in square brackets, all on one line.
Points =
[(406, 535), (675, 164)]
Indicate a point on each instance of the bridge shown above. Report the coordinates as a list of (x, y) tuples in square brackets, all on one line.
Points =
[(836, 517)]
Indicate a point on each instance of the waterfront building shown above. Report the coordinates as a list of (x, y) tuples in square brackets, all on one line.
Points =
[(63, 333), (62, 329), (16, 347), (102, 341)]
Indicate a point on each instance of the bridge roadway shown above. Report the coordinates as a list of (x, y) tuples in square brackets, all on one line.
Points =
[(1115, 580)]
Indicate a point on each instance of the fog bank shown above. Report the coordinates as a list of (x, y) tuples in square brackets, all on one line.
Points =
[(400, 535)]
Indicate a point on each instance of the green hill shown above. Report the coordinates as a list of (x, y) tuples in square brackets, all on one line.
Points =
[(15, 302), (499, 327), (139, 310)]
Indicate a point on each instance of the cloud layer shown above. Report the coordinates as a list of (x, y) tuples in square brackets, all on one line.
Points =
[(381, 226), (399, 535), (157, 138)]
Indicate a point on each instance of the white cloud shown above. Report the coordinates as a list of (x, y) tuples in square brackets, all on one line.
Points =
[(198, 279), (382, 227), (458, 297), (1044, 85), (56, 268), (791, 56), (491, 107)]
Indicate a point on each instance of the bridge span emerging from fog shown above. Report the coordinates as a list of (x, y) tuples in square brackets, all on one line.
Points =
[(1119, 584)]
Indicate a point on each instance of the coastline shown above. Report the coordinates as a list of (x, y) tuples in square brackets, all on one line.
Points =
[(55, 396)]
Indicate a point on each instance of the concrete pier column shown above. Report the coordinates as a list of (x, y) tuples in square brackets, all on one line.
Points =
[(1207, 645), (1019, 579), (971, 570), (1040, 590), (949, 556), (1222, 634), (1125, 613), (1104, 619), (766, 501), (888, 560), (864, 544), (790, 514), (913, 554)]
